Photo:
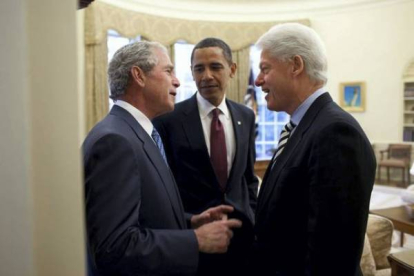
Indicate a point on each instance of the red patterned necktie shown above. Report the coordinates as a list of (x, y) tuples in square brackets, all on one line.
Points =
[(218, 152)]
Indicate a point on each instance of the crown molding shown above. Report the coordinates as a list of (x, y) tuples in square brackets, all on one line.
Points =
[(246, 10)]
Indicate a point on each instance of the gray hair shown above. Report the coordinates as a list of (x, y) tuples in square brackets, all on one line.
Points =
[(139, 54), (286, 40)]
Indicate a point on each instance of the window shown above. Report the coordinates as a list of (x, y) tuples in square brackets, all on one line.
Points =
[(115, 42), (182, 53), (270, 123)]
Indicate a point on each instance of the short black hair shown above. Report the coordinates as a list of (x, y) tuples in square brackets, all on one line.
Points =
[(214, 42)]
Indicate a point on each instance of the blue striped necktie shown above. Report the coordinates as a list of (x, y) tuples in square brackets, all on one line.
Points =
[(284, 137), (157, 139)]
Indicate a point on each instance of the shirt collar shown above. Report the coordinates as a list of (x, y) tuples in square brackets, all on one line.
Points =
[(138, 115), (205, 107), (301, 110)]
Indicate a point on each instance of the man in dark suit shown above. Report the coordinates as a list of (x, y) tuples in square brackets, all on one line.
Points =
[(314, 201), (210, 171), (134, 215)]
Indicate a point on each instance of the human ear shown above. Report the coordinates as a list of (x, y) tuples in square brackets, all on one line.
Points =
[(138, 76), (233, 68), (298, 65)]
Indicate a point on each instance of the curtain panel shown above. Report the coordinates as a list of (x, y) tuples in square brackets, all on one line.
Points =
[(239, 83), (101, 17)]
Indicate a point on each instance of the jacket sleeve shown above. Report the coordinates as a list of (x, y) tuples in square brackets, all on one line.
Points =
[(341, 172)]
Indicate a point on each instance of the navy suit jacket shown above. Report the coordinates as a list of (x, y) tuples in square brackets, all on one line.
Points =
[(134, 215), (313, 205)]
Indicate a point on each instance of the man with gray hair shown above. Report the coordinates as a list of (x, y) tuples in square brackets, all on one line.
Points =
[(313, 204), (134, 215)]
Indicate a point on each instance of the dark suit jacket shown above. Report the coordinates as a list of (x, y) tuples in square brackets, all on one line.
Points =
[(182, 134), (313, 205), (134, 215)]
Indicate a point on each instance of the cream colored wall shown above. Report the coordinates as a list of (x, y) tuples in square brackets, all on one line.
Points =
[(372, 45), (80, 28), (16, 223), (41, 198)]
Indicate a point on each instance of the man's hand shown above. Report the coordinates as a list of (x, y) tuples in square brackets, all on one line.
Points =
[(212, 214), (215, 237)]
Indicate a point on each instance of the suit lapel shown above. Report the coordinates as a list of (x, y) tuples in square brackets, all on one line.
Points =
[(156, 159), (266, 175), (163, 170), (272, 175), (238, 125), (193, 127), (193, 130)]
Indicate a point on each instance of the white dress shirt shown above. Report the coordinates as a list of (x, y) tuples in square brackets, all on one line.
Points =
[(205, 108), (138, 115)]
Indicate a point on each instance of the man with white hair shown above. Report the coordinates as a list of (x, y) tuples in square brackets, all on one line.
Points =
[(313, 205), (134, 215)]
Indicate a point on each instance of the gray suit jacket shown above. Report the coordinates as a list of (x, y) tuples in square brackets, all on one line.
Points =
[(134, 215)]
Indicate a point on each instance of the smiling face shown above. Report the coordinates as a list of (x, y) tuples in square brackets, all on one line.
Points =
[(160, 86), (275, 80), (211, 73)]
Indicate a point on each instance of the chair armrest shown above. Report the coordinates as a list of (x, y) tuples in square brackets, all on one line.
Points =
[(382, 153), (379, 232)]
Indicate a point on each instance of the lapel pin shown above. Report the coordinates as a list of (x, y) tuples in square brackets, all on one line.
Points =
[(238, 122)]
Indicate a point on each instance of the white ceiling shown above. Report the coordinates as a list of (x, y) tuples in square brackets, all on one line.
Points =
[(245, 10)]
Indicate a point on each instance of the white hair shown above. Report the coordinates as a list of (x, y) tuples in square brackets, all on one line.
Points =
[(286, 40), (139, 54)]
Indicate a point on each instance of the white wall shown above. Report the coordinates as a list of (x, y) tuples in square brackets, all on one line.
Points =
[(80, 33), (373, 45), (41, 198)]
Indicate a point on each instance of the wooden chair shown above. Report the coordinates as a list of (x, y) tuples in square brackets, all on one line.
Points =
[(398, 156)]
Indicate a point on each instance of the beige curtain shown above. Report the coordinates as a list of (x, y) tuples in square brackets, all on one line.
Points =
[(100, 17), (96, 90), (171, 53), (167, 30), (238, 85), (96, 62)]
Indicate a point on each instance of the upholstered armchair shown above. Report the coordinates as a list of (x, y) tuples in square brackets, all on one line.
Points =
[(397, 156), (377, 246)]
